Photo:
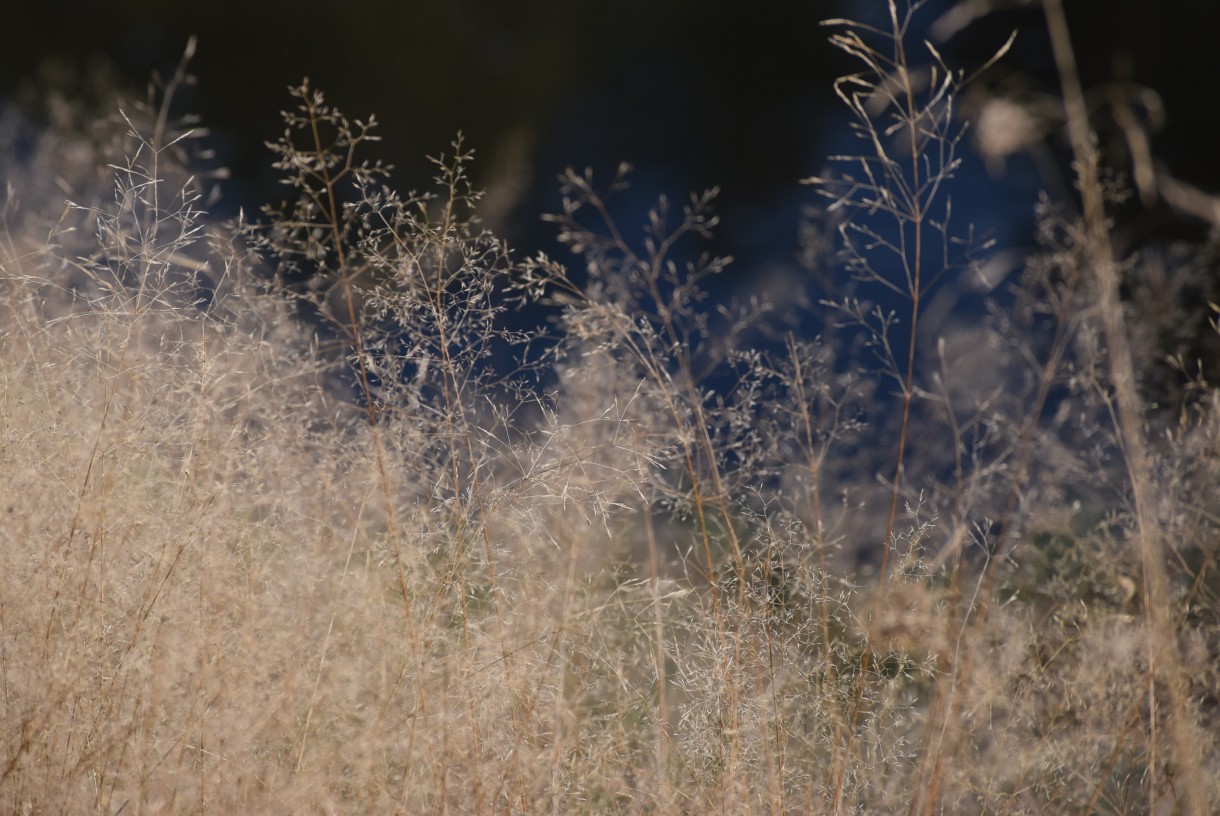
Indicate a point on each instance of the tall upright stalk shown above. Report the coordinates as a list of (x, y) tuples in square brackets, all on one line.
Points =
[(1163, 659)]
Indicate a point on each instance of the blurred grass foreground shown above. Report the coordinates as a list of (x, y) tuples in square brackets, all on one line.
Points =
[(282, 535)]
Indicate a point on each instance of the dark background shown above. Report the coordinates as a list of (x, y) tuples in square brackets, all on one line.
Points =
[(693, 92)]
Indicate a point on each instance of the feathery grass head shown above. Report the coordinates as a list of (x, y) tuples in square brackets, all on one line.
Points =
[(285, 533)]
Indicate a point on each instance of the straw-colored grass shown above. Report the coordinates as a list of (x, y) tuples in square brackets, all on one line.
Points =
[(280, 535)]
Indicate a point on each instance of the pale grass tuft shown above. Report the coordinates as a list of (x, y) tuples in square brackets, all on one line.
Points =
[(282, 535)]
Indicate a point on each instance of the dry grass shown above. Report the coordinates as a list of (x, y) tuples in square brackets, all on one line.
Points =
[(282, 537)]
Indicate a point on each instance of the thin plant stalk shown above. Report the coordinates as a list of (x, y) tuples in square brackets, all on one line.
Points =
[(1164, 661)]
